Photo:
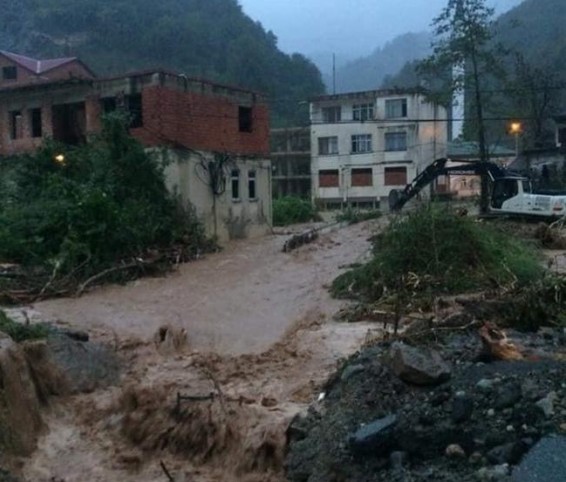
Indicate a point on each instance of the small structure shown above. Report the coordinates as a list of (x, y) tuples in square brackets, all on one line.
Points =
[(291, 160), (19, 70), (364, 144), (214, 138)]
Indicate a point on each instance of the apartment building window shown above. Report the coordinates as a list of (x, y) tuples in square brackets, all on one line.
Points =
[(395, 176), (361, 143), (329, 178), (331, 114), (363, 112), (252, 195), (9, 73), (245, 119), (36, 127), (16, 127), (395, 141), (395, 108), (235, 183), (327, 145), (362, 177)]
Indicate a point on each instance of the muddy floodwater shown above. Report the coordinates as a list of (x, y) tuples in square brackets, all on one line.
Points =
[(260, 335), (238, 301)]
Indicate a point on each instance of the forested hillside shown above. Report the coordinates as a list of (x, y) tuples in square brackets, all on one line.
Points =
[(369, 72), (205, 38)]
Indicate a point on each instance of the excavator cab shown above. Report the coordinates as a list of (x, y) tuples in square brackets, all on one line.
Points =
[(506, 188)]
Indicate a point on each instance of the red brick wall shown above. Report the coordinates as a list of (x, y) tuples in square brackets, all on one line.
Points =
[(200, 122), (329, 178)]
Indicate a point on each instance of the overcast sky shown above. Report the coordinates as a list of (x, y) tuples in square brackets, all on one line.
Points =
[(347, 27)]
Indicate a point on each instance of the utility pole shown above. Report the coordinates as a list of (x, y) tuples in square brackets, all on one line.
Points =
[(333, 74)]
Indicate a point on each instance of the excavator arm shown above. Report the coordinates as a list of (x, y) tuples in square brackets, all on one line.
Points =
[(398, 198)]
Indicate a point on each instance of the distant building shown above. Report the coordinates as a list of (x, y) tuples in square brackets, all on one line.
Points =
[(366, 143), (291, 161), (202, 129), (19, 69)]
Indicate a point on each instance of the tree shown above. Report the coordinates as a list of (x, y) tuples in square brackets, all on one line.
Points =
[(464, 60), (534, 94)]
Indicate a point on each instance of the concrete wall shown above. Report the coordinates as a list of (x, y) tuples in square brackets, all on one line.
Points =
[(224, 216), (427, 136)]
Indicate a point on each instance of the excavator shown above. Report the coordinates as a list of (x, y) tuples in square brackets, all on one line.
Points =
[(511, 194)]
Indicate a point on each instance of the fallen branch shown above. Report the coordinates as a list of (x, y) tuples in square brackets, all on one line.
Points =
[(166, 472), (104, 273)]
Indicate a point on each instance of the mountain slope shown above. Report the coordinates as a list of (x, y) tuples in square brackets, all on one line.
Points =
[(369, 72), (204, 38)]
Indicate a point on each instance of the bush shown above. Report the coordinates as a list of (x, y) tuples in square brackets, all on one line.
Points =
[(292, 210), (106, 202), (434, 249)]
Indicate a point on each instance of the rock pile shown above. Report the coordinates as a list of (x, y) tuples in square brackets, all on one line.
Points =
[(409, 413)]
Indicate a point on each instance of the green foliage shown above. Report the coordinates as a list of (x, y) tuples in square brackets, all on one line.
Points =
[(354, 216), (107, 201), (20, 332), (541, 303), (434, 249), (292, 210), (212, 39)]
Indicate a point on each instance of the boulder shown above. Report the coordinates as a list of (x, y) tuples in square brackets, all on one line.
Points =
[(375, 438), (419, 366), (545, 462)]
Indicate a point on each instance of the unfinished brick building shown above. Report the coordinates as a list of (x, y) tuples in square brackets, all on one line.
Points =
[(191, 123)]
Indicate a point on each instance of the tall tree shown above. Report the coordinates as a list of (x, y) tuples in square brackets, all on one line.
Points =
[(464, 58)]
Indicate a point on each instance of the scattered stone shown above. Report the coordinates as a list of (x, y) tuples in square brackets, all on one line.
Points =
[(475, 458), (419, 366), (546, 405), (462, 409), (491, 412), (350, 371), (509, 453), (455, 451), (545, 462), (374, 438)]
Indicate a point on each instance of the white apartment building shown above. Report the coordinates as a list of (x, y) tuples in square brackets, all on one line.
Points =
[(366, 143)]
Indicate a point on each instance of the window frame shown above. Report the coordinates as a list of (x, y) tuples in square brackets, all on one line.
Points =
[(391, 108), (361, 143), (16, 131), (10, 68), (252, 184), (363, 112), (394, 168), (235, 185), (336, 116), (329, 172), (245, 119), (392, 141), (328, 139), (356, 173)]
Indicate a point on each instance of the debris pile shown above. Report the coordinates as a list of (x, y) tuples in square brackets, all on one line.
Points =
[(441, 411)]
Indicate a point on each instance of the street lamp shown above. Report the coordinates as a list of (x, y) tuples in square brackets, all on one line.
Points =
[(516, 128)]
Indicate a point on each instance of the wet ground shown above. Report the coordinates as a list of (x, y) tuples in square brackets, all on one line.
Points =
[(260, 336), (238, 301)]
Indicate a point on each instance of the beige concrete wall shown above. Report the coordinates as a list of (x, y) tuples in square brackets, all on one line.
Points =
[(427, 136), (223, 216)]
